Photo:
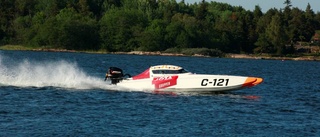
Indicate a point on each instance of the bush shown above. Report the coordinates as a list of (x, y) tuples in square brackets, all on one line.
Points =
[(196, 51), (203, 51), (172, 50)]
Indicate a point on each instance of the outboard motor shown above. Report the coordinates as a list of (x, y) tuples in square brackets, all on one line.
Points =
[(114, 74)]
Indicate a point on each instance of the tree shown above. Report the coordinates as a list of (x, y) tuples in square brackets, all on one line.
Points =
[(25, 7), (96, 7), (68, 30), (317, 21), (173, 30), (310, 23), (50, 8), (184, 32), (110, 4), (7, 15), (287, 3), (22, 25), (201, 12), (117, 29), (84, 7), (152, 39), (263, 45), (295, 25), (257, 14), (150, 25), (251, 34), (275, 34)]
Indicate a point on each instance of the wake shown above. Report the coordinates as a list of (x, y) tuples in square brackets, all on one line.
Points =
[(60, 74)]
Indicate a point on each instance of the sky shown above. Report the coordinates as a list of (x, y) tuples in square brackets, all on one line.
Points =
[(265, 5)]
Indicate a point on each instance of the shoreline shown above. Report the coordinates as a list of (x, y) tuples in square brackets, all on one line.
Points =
[(228, 55), (264, 57), (158, 53)]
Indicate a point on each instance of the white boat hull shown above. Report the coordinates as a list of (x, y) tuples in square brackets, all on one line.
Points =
[(174, 78), (190, 83)]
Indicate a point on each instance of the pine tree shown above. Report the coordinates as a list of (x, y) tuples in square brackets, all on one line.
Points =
[(287, 3)]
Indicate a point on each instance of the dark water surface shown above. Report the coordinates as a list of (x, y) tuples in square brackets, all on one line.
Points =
[(63, 94)]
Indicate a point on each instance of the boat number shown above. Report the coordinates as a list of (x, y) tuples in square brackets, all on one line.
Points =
[(215, 82)]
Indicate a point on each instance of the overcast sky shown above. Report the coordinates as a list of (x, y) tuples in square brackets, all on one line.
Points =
[(266, 4)]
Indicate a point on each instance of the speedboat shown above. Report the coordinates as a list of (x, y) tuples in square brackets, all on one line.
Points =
[(177, 79)]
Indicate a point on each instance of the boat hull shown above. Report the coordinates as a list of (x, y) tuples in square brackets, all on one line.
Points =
[(191, 83)]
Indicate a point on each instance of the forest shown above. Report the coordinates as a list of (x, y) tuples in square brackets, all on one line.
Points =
[(155, 25)]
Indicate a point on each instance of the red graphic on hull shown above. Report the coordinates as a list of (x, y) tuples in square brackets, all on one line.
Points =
[(164, 82)]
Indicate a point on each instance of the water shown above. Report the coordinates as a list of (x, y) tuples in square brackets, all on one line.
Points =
[(63, 94)]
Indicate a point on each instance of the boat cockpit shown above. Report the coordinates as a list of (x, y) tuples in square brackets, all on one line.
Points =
[(165, 71)]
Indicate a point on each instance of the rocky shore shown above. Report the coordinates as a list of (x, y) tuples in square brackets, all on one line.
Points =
[(245, 56), (158, 53), (236, 56)]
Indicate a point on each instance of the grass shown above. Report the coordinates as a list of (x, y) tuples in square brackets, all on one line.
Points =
[(15, 47), (20, 47)]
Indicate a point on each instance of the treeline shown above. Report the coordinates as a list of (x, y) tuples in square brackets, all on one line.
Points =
[(154, 25)]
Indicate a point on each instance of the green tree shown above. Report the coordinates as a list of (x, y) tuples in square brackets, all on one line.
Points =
[(7, 15), (84, 7), (287, 3), (275, 34), (263, 45), (152, 39), (50, 7), (201, 12), (317, 21), (96, 7), (174, 29), (110, 4), (295, 25), (150, 25), (184, 32), (117, 28), (167, 8), (22, 31), (25, 7), (310, 23), (249, 30), (68, 30)]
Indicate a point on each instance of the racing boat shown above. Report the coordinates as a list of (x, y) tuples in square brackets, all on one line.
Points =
[(177, 79)]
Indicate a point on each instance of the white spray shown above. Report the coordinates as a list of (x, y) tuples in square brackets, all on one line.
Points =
[(51, 74)]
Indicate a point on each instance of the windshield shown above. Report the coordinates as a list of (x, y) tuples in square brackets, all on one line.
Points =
[(169, 71)]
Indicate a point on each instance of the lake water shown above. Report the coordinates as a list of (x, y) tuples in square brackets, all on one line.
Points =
[(63, 94)]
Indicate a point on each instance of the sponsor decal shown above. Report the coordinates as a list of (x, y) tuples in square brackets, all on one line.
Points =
[(164, 82)]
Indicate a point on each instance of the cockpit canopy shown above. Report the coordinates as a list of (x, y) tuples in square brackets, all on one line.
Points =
[(167, 69), (160, 70)]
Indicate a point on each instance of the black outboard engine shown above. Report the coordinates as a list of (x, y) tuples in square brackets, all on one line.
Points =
[(114, 74)]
